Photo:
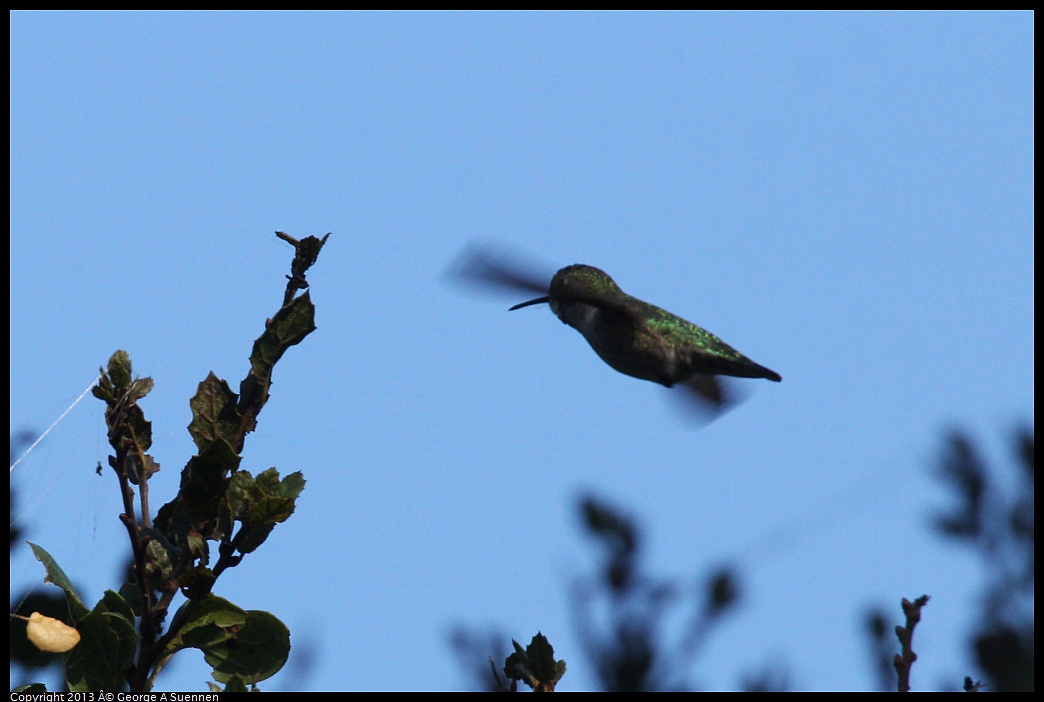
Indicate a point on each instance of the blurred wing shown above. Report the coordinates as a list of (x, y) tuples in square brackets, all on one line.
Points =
[(491, 268), (708, 390), (704, 398)]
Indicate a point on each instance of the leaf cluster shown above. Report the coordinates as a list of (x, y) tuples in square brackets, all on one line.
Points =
[(126, 639)]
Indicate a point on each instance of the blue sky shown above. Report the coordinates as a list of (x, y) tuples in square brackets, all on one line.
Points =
[(846, 198)]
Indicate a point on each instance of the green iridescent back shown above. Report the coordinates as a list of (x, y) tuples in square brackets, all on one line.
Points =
[(654, 331)]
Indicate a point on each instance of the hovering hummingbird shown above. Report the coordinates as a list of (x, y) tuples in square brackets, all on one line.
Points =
[(632, 336)]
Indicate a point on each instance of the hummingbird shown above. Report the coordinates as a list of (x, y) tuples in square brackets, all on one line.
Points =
[(632, 336)]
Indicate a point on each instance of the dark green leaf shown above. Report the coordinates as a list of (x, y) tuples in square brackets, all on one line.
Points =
[(536, 665), (203, 484), (157, 562), (257, 652), (214, 414), (265, 499), (212, 621), (542, 661), (57, 576), (261, 503), (106, 649), (253, 645), (104, 390), (139, 388), (197, 581), (120, 370), (290, 325)]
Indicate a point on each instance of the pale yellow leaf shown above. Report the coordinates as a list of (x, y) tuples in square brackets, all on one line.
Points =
[(51, 635)]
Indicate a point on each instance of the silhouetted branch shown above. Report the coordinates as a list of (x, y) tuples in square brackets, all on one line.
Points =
[(904, 660)]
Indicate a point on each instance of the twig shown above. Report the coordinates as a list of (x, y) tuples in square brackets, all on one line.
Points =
[(904, 660)]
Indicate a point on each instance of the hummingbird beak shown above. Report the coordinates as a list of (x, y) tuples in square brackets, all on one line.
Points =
[(538, 301)]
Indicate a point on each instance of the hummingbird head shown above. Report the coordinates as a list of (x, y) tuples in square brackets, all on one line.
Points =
[(575, 295), (582, 282), (575, 283)]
